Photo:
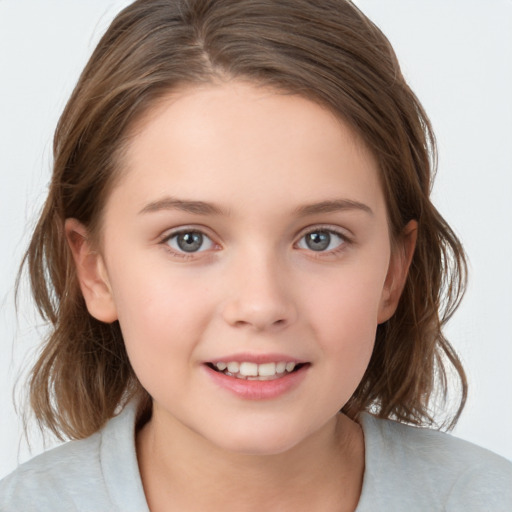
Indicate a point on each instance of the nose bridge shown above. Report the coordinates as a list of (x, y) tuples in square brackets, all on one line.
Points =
[(259, 293)]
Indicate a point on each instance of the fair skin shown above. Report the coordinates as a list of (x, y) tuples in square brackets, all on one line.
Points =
[(248, 227)]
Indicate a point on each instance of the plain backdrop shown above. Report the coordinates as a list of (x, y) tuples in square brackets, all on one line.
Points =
[(456, 54)]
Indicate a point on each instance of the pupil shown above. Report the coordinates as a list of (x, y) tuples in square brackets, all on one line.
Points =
[(190, 242), (318, 241)]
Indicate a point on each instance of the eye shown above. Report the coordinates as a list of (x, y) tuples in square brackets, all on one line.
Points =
[(189, 242), (321, 240)]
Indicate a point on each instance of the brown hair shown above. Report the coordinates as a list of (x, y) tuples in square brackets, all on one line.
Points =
[(327, 51)]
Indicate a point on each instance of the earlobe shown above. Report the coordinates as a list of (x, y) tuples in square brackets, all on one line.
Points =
[(398, 269), (91, 273)]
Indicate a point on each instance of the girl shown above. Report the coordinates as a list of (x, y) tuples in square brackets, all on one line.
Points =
[(245, 277)]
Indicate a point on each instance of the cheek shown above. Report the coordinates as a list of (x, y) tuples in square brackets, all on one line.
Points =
[(348, 303), (349, 336), (161, 316), (344, 318)]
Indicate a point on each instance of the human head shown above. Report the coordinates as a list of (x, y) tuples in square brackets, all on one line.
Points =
[(336, 57)]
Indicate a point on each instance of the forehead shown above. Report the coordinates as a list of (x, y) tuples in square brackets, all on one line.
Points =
[(239, 140)]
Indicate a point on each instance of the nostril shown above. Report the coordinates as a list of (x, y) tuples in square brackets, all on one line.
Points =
[(258, 314)]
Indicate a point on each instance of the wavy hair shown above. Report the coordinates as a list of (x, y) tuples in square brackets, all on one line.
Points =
[(327, 51)]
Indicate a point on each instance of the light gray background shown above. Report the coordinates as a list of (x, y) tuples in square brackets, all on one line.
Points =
[(458, 57)]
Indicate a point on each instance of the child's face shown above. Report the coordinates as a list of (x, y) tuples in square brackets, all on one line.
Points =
[(248, 227)]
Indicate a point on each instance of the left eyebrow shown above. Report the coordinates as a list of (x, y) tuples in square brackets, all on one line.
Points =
[(172, 203), (335, 205)]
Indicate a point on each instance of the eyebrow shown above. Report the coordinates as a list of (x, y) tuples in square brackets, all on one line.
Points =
[(172, 203), (334, 205), (204, 208)]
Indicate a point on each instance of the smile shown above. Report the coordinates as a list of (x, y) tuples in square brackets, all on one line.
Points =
[(257, 380), (253, 371)]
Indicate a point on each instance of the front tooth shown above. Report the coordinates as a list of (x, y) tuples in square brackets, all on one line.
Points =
[(280, 367), (233, 367), (267, 369), (221, 366), (290, 367), (248, 369)]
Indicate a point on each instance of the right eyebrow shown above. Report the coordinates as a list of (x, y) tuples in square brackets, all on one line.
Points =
[(172, 203)]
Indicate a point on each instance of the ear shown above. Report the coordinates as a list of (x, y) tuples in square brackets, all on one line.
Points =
[(401, 257), (91, 272)]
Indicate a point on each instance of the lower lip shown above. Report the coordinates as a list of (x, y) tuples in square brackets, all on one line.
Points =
[(258, 389)]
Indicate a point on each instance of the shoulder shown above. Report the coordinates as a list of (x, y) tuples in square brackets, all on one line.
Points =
[(93, 474), (426, 466), (54, 477)]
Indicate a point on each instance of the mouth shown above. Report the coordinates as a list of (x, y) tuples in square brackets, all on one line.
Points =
[(247, 370)]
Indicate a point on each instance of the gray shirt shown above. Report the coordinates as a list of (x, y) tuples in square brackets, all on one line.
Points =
[(407, 469)]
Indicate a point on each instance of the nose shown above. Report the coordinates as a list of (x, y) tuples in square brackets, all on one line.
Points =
[(260, 296)]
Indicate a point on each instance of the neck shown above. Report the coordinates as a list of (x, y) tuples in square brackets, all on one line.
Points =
[(323, 473)]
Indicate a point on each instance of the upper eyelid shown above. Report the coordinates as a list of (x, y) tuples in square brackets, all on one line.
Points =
[(171, 232), (342, 232)]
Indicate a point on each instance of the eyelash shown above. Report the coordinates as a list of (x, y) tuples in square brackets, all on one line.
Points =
[(183, 231), (345, 240)]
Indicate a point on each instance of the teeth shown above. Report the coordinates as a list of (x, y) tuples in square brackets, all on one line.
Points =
[(267, 369), (290, 367), (253, 371), (249, 369), (233, 367)]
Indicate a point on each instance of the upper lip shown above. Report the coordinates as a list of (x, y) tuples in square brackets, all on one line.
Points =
[(257, 358)]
